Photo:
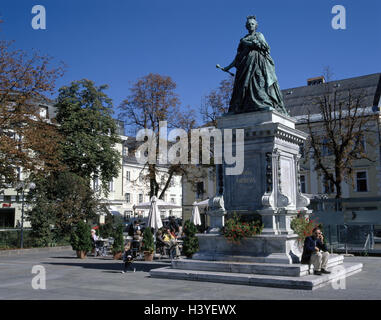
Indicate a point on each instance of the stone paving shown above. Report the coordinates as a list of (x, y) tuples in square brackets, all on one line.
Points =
[(100, 278)]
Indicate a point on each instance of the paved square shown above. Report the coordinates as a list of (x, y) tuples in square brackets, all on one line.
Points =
[(101, 278)]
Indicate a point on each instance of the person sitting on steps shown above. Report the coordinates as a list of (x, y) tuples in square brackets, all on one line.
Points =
[(315, 252)]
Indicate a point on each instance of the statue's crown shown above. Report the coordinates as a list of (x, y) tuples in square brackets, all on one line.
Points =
[(251, 17)]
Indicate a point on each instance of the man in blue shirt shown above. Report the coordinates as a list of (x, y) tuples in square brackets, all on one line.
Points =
[(315, 252)]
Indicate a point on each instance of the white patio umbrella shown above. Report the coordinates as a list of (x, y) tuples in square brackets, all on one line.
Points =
[(204, 203), (195, 218), (154, 220), (160, 203)]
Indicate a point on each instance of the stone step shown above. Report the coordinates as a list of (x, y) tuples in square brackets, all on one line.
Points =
[(309, 282), (290, 270)]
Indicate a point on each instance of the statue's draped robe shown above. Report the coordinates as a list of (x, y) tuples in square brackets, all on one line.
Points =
[(255, 85)]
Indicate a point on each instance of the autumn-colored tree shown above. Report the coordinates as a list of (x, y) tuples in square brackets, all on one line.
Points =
[(216, 103), (153, 99), (28, 139), (339, 126)]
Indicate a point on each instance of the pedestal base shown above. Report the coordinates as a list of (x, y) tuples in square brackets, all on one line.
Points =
[(283, 249)]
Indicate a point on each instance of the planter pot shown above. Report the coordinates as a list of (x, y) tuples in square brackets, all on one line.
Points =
[(118, 256), (148, 256), (81, 254)]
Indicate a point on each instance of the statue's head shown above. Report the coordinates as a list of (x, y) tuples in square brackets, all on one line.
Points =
[(251, 23)]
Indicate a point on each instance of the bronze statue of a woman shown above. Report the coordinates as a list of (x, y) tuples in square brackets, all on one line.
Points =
[(255, 86)]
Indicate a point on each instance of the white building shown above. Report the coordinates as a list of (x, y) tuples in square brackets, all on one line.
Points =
[(131, 187)]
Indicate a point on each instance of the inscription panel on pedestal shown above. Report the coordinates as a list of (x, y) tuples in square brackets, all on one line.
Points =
[(245, 191), (288, 178)]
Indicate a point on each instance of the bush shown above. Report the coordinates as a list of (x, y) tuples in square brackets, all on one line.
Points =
[(118, 245), (235, 229), (106, 230), (148, 241), (303, 227), (80, 239), (190, 244)]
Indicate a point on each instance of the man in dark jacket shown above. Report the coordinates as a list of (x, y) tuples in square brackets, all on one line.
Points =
[(315, 252)]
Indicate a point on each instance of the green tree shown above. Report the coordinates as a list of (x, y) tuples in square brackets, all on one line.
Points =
[(84, 116), (148, 241), (62, 199), (190, 244), (118, 245), (41, 219), (81, 237)]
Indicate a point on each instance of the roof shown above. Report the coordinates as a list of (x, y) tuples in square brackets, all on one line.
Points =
[(301, 99)]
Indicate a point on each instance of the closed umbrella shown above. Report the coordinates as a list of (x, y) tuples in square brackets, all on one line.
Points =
[(196, 219), (154, 220)]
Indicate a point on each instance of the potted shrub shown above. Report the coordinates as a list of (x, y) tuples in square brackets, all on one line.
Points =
[(148, 244), (190, 244), (80, 239), (118, 245)]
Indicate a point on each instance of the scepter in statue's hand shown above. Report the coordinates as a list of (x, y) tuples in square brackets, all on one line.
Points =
[(223, 69)]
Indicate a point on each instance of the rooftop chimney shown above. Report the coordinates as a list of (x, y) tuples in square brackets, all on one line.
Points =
[(315, 81)]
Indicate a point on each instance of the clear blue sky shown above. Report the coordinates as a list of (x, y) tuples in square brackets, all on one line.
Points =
[(115, 42)]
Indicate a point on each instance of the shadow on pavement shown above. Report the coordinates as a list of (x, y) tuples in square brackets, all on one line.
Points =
[(112, 267)]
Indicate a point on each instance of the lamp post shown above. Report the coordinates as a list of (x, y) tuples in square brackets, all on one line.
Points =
[(21, 186)]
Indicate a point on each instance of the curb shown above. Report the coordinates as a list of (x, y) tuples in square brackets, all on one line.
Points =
[(14, 252)]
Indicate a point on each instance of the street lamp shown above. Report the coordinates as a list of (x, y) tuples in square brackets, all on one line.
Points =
[(21, 186)]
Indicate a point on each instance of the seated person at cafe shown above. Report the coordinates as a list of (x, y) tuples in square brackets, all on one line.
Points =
[(315, 252), (160, 243), (170, 239)]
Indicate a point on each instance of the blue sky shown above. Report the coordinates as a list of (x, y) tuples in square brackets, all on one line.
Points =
[(115, 42)]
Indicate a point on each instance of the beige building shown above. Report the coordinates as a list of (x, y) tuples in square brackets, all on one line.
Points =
[(11, 199), (365, 184)]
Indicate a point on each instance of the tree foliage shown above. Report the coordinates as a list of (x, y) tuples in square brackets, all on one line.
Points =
[(153, 99), (28, 140), (118, 245), (216, 103), (63, 199), (81, 237), (190, 244), (84, 117), (148, 241)]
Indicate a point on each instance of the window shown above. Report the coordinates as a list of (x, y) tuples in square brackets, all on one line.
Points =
[(328, 186), (44, 112), (128, 214), (361, 182), (111, 185), (326, 151), (128, 175), (96, 184), (140, 197), (125, 151), (303, 184), (128, 197), (199, 189), (302, 150)]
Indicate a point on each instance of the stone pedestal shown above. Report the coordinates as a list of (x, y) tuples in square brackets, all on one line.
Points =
[(269, 185), (280, 249)]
